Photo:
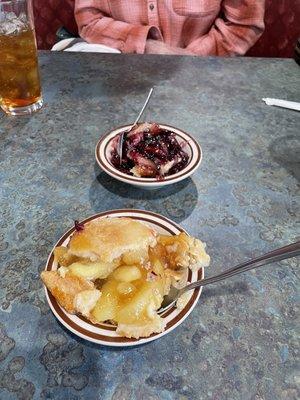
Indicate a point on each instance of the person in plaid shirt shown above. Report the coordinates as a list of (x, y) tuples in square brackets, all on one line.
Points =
[(191, 27)]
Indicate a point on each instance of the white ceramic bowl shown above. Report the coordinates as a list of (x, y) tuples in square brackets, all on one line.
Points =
[(103, 156), (105, 334)]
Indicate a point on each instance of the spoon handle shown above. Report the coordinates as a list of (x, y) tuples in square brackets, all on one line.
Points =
[(121, 139), (143, 108), (289, 251)]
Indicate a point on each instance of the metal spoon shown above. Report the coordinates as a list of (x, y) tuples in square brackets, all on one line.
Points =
[(291, 250), (120, 147)]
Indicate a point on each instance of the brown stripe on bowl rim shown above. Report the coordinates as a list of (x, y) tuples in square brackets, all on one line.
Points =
[(63, 316), (114, 172)]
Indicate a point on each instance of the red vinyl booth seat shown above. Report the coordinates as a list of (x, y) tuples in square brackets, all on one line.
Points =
[(49, 15), (282, 21)]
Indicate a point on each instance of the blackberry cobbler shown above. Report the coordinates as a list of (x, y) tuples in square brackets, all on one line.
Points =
[(149, 151)]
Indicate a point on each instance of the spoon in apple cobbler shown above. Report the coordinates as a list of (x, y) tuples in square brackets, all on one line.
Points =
[(177, 294), (118, 270)]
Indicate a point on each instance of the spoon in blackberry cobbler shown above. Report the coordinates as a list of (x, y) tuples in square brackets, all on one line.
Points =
[(121, 138)]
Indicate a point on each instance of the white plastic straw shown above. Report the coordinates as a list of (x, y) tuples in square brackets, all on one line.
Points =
[(292, 105)]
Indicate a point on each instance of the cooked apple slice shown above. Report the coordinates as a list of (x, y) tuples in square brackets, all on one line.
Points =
[(107, 306), (127, 273), (92, 271), (133, 311), (126, 288), (156, 262), (148, 295)]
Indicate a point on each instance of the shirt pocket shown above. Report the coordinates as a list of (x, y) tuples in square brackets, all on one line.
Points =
[(196, 8), (127, 11)]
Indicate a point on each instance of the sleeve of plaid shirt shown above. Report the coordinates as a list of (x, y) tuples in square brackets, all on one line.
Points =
[(242, 23), (97, 27)]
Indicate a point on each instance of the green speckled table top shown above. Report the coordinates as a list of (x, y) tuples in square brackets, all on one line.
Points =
[(240, 342)]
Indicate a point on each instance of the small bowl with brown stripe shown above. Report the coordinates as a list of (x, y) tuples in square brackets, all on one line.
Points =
[(105, 333), (106, 147)]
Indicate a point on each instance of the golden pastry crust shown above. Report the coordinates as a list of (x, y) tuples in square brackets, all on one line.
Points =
[(197, 256), (156, 325), (185, 251), (86, 300), (108, 238), (65, 289)]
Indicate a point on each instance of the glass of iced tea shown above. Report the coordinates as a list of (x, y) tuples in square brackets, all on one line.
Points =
[(20, 89)]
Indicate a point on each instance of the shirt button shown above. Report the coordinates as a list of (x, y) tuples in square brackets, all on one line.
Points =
[(151, 6)]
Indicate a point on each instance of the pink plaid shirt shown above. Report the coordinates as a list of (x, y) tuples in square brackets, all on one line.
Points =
[(204, 27)]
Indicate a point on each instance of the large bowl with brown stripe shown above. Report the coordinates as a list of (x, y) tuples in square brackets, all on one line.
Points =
[(105, 334), (103, 157)]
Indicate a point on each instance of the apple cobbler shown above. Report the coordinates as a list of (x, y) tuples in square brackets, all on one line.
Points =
[(118, 270)]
